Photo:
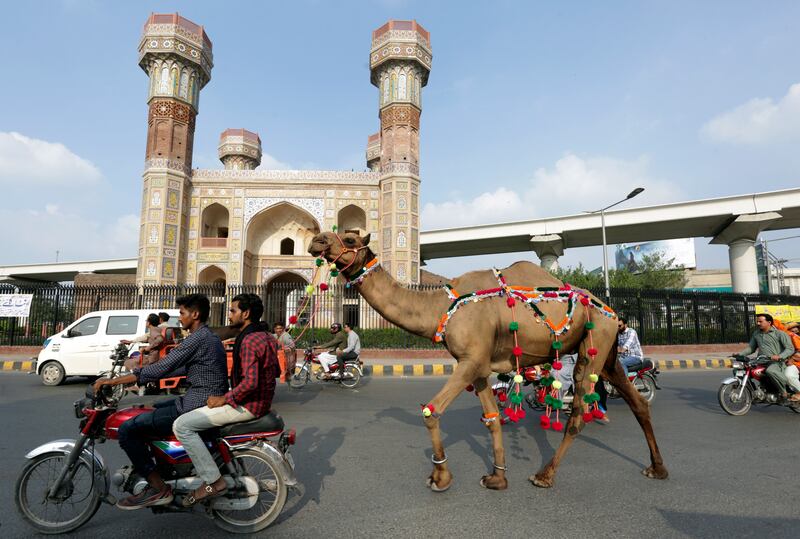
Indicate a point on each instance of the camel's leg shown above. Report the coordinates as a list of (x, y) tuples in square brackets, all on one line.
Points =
[(497, 480), (641, 409), (544, 478), (464, 374)]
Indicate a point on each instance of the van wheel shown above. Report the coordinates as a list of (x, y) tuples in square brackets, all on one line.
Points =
[(53, 373)]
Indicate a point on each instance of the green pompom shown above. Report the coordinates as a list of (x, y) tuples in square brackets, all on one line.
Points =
[(547, 367), (557, 404), (335, 228), (320, 262), (503, 377), (516, 398), (589, 325), (594, 397), (548, 381), (513, 326), (557, 345), (548, 400), (334, 273), (587, 399)]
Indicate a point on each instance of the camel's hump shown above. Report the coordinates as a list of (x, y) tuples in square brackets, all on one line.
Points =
[(522, 273)]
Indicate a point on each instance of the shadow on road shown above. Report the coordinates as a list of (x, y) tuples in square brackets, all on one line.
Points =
[(717, 525)]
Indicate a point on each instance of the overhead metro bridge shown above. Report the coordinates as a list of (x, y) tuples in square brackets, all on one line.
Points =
[(735, 221)]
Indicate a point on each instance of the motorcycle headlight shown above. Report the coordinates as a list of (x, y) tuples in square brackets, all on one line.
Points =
[(737, 365)]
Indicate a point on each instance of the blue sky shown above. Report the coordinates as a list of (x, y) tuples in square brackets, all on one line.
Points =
[(689, 99)]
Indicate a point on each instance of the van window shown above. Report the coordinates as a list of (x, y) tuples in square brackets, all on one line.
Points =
[(86, 327), (122, 325)]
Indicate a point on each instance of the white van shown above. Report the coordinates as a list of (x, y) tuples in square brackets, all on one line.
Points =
[(84, 348)]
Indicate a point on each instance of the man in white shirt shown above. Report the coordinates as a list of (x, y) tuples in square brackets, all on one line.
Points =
[(628, 345), (350, 353)]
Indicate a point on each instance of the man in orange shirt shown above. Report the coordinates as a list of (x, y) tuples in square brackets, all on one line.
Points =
[(792, 371)]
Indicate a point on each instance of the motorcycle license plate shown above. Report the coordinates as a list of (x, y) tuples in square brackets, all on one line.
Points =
[(289, 459)]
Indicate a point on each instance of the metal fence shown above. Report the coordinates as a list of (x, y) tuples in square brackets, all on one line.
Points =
[(659, 316)]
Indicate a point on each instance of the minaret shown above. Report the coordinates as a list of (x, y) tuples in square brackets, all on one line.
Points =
[(239, 149), (176, 55), (374, 152), (400, 61)]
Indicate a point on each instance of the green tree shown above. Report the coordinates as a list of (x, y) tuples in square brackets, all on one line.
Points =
[(655, 272)]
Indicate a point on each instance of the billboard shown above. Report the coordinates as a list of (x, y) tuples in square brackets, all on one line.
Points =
[(15, 305), (630, 257)]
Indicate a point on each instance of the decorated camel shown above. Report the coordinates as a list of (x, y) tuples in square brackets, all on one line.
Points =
[(504, 321)]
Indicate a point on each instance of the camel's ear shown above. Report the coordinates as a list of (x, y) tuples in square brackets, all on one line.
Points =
[(365, 239)]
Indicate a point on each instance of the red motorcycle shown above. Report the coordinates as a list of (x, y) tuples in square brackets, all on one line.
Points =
[(65, 481), (749, 385)]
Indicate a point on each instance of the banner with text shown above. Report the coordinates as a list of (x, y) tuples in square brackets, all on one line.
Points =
[(681, 252), (784, 313), (15, 305)]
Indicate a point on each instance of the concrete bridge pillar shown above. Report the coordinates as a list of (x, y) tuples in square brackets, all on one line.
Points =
[(548, 248), (740, 237)]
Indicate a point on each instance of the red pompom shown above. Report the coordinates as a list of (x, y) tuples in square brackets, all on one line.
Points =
[(323, 286), (293, 319), (557, 365), (494, 391), (544, 422), (470, 388), (511, 302), (584, 301), (521, 413), (598, 413), (511, 414), (517, 351), (541, 398), (558, 426), (592, 352), (502, 397), (588, 417)]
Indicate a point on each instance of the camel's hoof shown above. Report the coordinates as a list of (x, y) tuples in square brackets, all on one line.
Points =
[(655, 472), (436, 488), (541, 481), (493, 482)]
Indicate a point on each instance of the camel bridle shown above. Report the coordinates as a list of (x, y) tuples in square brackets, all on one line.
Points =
[(345, 249)]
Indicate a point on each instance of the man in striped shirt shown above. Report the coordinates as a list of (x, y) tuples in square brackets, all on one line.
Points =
[(202, 356), (255, 367)]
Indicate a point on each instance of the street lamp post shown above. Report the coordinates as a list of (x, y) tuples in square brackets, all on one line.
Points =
[(602, 212)]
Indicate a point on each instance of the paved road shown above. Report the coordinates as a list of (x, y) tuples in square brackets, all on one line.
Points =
[(363, 457)]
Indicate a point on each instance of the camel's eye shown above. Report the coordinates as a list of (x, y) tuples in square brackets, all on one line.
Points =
[(350, 241)]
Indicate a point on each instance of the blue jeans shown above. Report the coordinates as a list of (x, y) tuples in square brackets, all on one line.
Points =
[(629, 360), (133, 432)]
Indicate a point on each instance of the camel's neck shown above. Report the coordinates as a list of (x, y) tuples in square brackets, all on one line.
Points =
[(417, 312)]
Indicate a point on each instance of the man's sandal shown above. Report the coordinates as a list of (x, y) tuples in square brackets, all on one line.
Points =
[(203, 493)]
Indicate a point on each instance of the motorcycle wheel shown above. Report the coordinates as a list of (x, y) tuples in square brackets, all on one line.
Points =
[(645, 387), (271, 498), (728, 401), (299, 378), (80, 499), (350, 383)]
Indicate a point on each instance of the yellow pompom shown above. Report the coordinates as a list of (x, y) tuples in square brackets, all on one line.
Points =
[(310, 289), (557, 385), (518, 379), (332, 267), (426, 412), (593, 378)]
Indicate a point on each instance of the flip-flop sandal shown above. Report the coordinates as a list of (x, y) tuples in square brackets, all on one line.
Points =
[(192, 499)]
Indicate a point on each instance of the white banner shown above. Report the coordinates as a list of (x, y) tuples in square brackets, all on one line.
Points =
[(15, 305), (680, 251)]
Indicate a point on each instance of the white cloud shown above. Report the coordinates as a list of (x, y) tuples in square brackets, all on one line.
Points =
[(38, 234), (574, 184), (269, 162), (29, 160), (758, 121)]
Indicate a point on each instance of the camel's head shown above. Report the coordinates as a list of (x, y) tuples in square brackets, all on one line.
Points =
[(349, 250)]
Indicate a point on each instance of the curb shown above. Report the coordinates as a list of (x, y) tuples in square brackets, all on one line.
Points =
[(446, 369)]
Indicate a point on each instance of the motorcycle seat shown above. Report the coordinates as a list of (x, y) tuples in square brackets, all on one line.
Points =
[(270, 422), (647, 363)]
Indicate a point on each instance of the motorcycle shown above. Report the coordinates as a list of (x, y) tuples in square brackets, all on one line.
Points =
[(747, 386), (353, 371), (64, 481), (643, 376)]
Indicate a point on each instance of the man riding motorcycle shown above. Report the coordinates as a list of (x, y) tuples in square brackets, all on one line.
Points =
[(202, 356), (255, 367), (339, 341), (776, 345)]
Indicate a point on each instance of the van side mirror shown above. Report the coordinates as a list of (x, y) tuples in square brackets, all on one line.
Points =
[(68, 334)]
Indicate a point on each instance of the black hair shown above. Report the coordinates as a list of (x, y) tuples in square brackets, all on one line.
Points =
[(153, 319), (164, 317), (767, 317), (252, 303), (348, 325), (623, 320), (195, 302), (278, 324)]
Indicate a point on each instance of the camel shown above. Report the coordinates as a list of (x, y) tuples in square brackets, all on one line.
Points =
[(478, 338)]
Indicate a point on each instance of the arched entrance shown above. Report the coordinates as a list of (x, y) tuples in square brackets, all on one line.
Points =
[(285, 294), (213, 281), (277, 239), (352, 219)]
